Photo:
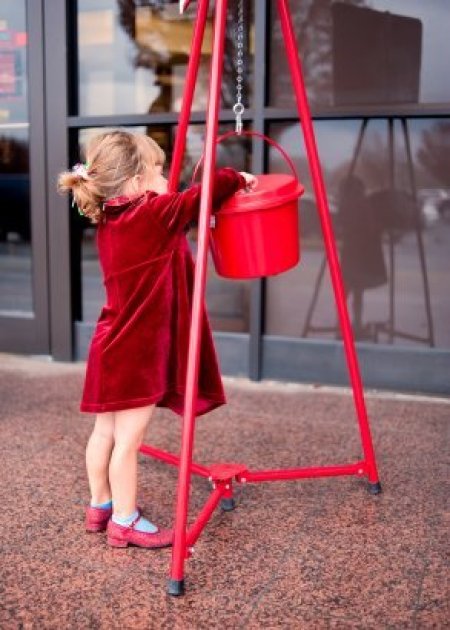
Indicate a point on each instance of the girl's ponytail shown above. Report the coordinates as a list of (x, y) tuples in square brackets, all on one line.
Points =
[(85, 193)]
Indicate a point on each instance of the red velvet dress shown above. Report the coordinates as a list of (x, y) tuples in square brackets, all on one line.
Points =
[(138, 354)]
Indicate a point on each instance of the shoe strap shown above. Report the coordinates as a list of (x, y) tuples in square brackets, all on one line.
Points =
[(134, 523)]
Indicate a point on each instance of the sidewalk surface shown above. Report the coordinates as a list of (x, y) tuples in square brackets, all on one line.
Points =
[(312, 554)]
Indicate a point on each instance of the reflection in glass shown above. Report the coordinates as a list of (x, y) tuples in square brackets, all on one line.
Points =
[(393, 234), (15, 223), (227, 301), (132, 57), (365, 52)]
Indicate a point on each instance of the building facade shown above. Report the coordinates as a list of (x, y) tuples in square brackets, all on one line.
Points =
[(375, 73)]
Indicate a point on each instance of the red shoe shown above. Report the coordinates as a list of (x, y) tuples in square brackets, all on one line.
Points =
[(97, 518), (124, 535)]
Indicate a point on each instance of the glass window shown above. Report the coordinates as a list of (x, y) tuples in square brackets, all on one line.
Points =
[(227, 301), (132, 57), (15, 227), (366, 52), (394, 254)]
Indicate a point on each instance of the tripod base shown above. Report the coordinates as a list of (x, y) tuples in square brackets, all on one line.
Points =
[(175, 588), (222, 477)]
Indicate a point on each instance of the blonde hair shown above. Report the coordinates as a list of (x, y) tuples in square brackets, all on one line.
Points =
[(113, 158)]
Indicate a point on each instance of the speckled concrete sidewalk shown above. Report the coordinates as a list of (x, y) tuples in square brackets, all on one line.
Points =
[(311, 554)]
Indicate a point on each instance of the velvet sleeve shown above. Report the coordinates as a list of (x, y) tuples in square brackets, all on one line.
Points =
[(176, 210)]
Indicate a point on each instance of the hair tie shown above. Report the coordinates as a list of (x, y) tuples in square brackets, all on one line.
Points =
[(75, 205), (81, 170)]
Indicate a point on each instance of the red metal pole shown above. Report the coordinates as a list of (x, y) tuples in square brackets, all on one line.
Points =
[(329, 239), (188, 94), (174, 460), (176, 583), (205, 514), (290, 474)]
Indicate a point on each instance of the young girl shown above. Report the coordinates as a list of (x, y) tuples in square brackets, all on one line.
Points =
[(138, 354)]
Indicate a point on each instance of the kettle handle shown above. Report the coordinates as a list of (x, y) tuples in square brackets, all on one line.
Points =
[(229, 134)]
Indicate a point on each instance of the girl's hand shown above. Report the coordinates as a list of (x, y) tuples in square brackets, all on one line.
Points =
[(250, 180)]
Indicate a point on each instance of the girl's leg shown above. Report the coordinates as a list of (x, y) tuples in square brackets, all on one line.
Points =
[(129, 430), (98, 454)]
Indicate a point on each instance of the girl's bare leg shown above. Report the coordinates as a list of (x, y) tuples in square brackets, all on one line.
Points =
[(98, 454), (129, 430)]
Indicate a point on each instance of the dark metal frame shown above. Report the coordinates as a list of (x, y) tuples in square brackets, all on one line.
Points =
[(30, 333), (56, 81), (48, 329)]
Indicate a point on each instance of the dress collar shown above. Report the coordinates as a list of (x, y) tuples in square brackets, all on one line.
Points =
[(124, 202)]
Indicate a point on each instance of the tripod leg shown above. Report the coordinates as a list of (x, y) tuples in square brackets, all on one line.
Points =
[(176, 582), (329, 240), (391, 238), (418, 228), (391, 287), (188, 95), (315, 297), (358, 147), (318, 284)]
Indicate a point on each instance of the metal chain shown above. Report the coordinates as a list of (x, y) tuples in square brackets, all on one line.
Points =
[(239, 108)]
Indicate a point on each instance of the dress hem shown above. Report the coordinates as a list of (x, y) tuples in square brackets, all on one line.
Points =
[(122, 405)]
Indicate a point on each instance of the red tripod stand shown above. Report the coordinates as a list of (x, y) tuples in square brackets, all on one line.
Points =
[(223, 475)]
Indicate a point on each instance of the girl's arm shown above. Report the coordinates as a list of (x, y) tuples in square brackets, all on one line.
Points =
[(176, 210)]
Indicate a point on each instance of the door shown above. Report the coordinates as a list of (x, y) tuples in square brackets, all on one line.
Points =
[(24, 325)]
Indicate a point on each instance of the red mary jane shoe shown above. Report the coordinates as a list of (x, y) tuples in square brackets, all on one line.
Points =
[(97, 518), (124, 535)]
